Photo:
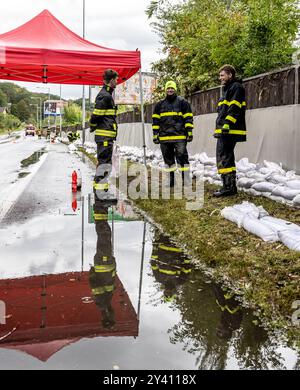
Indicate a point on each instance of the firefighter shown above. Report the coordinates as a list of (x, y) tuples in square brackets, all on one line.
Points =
[(170, 266), (103, 123), (231, 312), (172, 129), (73, 135), (230, 128), (103, 274)]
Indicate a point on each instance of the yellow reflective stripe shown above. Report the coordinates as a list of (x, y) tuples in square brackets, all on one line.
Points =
[(188, 114), (236, 103), (171, 113), (170, 248), (105, 133), (104, 268), (236, 132), (115, 126), (155, 127), (232, 102), (154, 267), (173, 137), (156, 116), (100, 217), (100, 186), (226, 170), (102, 290), (154, 257), (92, 125), (167, 272), (105, 143), (190, 133), (104, 112), (172, 169), (184, 169), (186, 271), (230, 118), (226, 126), (232, 311), (189, 125)]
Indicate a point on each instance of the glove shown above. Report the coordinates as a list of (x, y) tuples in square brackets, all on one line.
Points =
[(156, 140), (189, 138), (92, 128), (225, 129)]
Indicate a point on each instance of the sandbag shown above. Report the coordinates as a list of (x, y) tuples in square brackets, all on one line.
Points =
[(256, 175), (204, 159), (274, 166), (233, 215), (278, 179), (285, 192), (244, 165), (291, 239), (254, 226), (245, 182), (263, 186), (296, 200), (278, 224), (294, 184)]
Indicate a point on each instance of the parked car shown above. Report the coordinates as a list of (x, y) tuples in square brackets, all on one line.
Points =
[(30, 130)]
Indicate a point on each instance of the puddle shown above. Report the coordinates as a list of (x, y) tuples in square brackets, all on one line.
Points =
[(106, 281), (34, 158), (23, 174)]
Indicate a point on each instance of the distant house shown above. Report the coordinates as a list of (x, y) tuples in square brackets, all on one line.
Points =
[(3, 110)]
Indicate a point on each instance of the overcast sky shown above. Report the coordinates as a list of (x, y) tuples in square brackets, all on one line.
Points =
[(117, 24)]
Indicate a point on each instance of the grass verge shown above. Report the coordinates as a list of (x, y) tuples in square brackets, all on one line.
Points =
[(266, 275)]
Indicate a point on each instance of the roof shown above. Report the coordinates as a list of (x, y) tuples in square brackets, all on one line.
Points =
[(45, 50)]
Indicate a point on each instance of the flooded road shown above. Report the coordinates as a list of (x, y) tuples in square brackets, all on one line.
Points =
[(92, 285)]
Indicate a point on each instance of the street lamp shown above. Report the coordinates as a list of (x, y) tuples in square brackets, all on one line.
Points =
[(40, 108)]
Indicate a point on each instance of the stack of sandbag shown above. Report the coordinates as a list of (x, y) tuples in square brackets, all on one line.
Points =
[(257, 221)]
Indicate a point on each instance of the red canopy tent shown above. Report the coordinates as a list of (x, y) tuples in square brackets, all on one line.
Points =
[(44, 50), (48, 312)]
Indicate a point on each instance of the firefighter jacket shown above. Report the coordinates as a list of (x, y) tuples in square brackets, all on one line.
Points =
[(103, 120), (170, 266), (172, 120), (231, 113), (73, 136)]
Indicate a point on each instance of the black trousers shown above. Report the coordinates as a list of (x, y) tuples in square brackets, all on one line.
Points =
[(225, 155), (172, 151), (104, 155)]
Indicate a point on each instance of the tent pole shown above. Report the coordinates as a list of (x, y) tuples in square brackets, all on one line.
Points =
[(141, 271), (83, 87), (60, 112), (142, 114)]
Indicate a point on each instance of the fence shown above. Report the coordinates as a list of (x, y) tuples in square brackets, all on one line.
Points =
[(276, 88)]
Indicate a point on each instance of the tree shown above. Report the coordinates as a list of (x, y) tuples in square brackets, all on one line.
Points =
[(21, 110), (199, 36), (72, 114), (3, 99)]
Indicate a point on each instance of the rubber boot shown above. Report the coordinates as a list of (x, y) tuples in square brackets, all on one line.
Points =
[(229, 186)]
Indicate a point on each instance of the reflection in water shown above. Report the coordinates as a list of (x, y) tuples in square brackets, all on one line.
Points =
[(22, 174), (103, 273), (34, 158), (170, 266), (217, 331)]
